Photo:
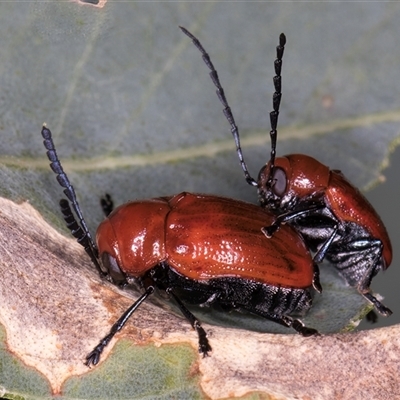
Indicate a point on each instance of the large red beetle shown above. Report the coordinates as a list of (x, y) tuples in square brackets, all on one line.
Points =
[(200, 249), (335, 219)]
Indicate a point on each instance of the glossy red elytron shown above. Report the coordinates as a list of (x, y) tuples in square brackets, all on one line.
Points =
[(335, 219), (204, 237)]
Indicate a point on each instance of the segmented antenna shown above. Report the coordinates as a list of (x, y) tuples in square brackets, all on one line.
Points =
[(78, 229), (276, 101), (227, 110)]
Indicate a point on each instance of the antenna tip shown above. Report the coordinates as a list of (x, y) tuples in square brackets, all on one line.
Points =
[(185, 31), (282, 39)]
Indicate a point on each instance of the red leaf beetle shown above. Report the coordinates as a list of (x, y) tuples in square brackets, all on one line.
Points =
[(200, 249), (335, 219)]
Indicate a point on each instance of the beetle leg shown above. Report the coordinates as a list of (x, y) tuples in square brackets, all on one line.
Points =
[(204, 346), (383, 310), (94, 356), (364, 288), (268, 231), (321, 253), (316, 283), (107, 204), (299, 327), (358, 261), (210, 301), (289, 322), (372, 317)]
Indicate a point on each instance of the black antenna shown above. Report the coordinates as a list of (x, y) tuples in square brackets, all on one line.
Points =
[(227, 110), (276, 101), (78, 229)]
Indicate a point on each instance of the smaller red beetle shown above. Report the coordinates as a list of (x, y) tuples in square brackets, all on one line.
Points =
[(200, 249), (335, 219)]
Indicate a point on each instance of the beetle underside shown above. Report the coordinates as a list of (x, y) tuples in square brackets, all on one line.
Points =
[(229, 293)]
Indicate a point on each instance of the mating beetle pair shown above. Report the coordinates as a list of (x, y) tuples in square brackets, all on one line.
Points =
[(335, 219), (200, 249), (204, 249)]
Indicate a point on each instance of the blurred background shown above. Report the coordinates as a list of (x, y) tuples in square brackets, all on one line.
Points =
[(134, 113)]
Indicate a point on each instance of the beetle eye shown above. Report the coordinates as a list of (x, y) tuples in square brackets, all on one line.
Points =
[(279, 182), (112, 267)]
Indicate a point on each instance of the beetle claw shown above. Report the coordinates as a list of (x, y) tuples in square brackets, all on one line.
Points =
[(92, 358), (299, 327), (205, 348), (306, 332), (383, 310)]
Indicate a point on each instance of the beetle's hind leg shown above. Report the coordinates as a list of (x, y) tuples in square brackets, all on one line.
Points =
[(276, 304), (382, 309), (358, 261), (299, 327), (289, 322)]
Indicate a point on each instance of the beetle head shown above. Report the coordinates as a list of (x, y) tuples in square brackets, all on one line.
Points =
[(295, 178), (109, 252)]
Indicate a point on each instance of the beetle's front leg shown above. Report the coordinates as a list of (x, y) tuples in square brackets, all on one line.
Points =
[(268, 231), (94, 356)]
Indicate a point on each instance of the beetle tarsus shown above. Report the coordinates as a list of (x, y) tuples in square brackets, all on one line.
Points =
[(372, 317), (299, 327), (107, 204), (204, 346), (383, 310), (94, 356)]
